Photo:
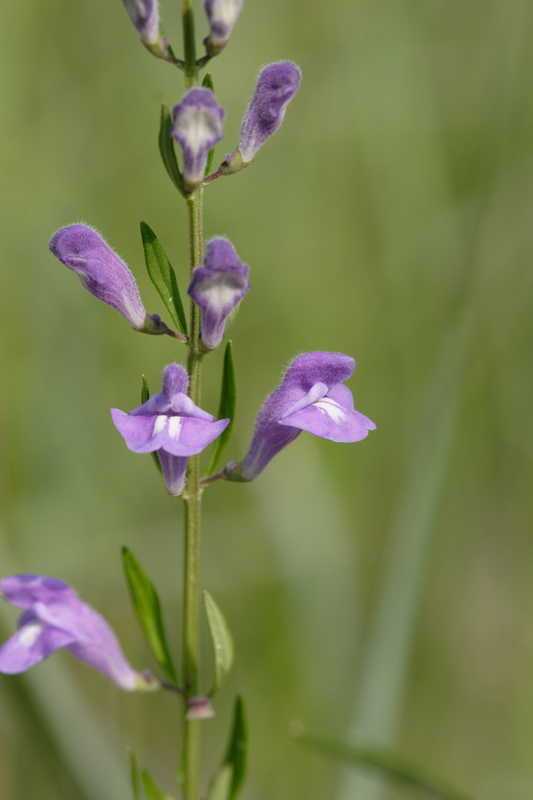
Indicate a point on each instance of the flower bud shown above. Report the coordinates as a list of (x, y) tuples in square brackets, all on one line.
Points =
[(217, 287), (276, 85), (104, 274), (145, 16), (199, 708), (197, 127), (222, 16)]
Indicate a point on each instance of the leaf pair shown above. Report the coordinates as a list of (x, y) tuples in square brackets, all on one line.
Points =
[(163, 277)]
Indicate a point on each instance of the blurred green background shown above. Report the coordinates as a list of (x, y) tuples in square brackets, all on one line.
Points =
[(379, 593)]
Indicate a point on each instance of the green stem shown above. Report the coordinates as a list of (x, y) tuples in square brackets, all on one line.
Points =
[(193, 499), (189, 43)]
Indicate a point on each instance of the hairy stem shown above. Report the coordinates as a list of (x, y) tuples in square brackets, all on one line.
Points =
[(193, 499)]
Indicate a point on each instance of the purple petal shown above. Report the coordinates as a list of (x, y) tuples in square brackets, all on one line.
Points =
[(23, 591), (174, 470), (222, 16), (31, 644), (329, 420), (175, 380), (101, 271), (141, 433), (92, 639), (145, 16), (187, 436), (276, 85), (218, 287), (197, 127)]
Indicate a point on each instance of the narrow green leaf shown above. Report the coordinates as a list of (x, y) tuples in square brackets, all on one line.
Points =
[(237, 749), (145, 396), (221, 785), (226, 407), (207, 83), (151, 789), (166, 148), (163, 276), (134, 777), (148, 610), (388, 764), (221, 638)]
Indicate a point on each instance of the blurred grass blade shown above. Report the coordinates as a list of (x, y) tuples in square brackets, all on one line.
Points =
[(135, 777), (207, 83), (221, 785), (381, 689), (226, 407), (163, 276), (148, 610), (221, 639), (386, 763), (166, 148), (145, 396), (237, 749), (151, 789)]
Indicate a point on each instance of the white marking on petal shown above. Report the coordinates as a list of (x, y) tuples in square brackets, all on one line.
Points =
[(198, 126), (160, 423), (219, 296), (226, 11), (29, 634), (332, 409), (174, 427)]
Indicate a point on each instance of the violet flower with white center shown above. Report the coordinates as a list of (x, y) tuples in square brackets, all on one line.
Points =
[(171, 425), (276, 86), (222, 16), (197, 127), (54, 617), (312, 397), (217, 287), (145, 16), (104, 274)]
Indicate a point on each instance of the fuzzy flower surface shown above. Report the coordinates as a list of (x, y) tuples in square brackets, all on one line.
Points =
[(145, 16), (312, 397), (276, 86), (53, 617), (222, 16), (171, 425), (104, 274), (198, 124), (217, 287)]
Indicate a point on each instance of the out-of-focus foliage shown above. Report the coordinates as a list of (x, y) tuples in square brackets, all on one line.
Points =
[(395, 201)]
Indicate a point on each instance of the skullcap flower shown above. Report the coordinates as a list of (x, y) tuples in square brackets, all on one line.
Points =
[(217, 287), (53, 617), (222, 16), (103, 273), (311, 397), (171, 425), (197, 127)]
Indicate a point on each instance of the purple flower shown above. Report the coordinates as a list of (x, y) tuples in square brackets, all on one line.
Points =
[(198, 126), (171, 425), (276, 85), (312, 397), (218, 286), (222, 16), (83, 250), (54, 617)]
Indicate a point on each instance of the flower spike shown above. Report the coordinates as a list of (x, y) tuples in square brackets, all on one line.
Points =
[(104, 274), (222, 16), (217, 287), (53, 617), (171, 425), (312, 397), (197, 127)]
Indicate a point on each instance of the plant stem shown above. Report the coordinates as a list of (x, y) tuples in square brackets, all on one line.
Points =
[(189, 43), (193, 499)]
